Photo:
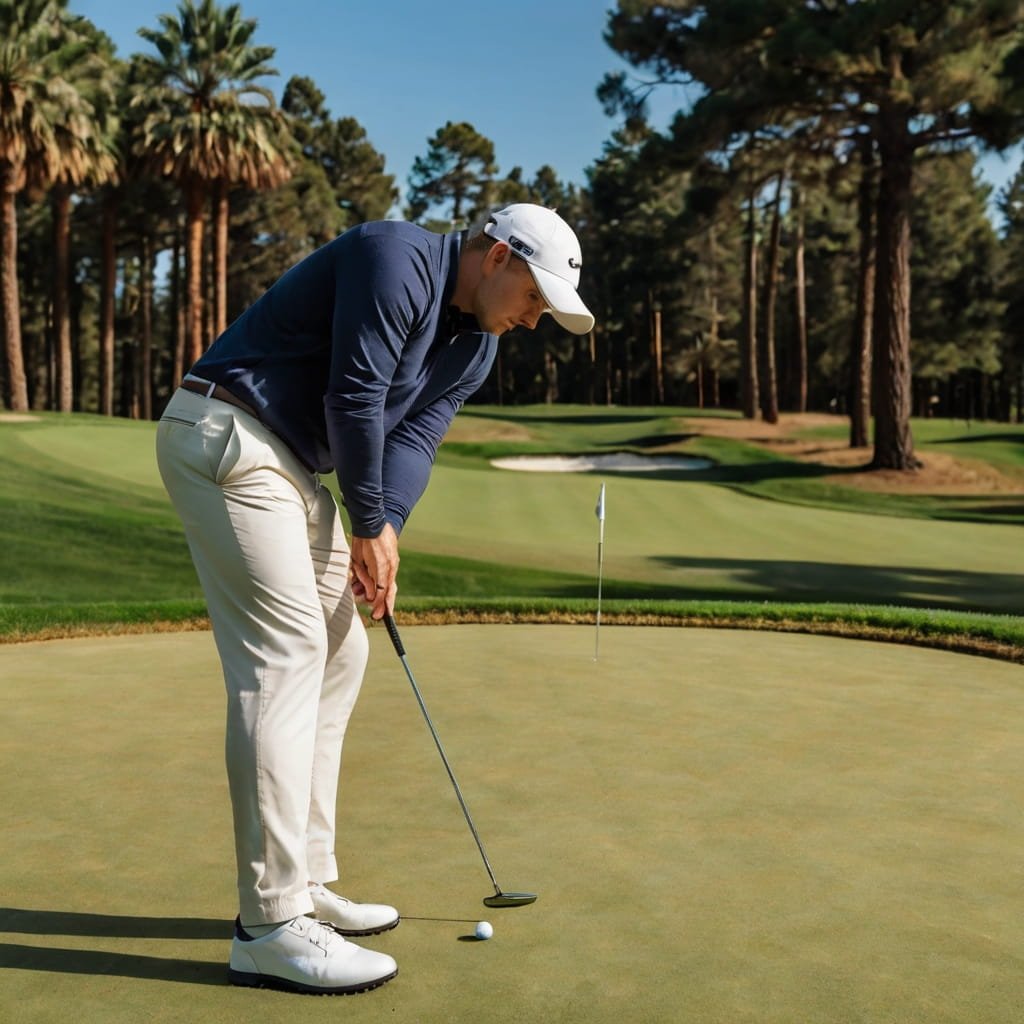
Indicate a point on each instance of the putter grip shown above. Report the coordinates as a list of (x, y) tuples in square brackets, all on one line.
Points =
[(389, 625)]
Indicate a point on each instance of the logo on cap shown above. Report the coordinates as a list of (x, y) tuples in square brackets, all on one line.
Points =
[(574, 263), (519, 245)]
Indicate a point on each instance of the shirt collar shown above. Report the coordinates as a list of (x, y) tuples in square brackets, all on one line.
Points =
[(457, 322)]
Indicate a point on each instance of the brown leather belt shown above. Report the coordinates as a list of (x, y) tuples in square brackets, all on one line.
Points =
[(220, 393)]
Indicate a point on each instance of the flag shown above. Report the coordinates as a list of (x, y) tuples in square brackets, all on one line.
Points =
[(599, 510)]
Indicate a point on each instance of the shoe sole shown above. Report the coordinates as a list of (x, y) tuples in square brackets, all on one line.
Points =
[(250, 980), (367, 931)]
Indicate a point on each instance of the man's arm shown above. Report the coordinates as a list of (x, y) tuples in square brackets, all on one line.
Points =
[(410, 451), (409, 454), (378, 303)]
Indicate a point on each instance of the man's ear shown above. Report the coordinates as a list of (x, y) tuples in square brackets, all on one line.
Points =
[(496, 257)]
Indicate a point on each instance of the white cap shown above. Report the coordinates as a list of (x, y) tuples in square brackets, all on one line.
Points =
[(552, 251)]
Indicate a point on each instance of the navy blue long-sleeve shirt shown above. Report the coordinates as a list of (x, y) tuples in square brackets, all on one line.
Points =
[(354, 359)]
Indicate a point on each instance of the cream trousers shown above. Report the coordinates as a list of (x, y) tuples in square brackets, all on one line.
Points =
[(272, 560)]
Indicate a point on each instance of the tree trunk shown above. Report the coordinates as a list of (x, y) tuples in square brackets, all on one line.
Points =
[(194, 273), (800, 299), (749, 398), (609, 373), (627, 362), (61, 204), (79, 373), (894, 446), (177, 310), (220, 259), (657, 369), (770, 385), (146, 303), (860, 342), (550, 378), (108, 285), (713, 318), (10, 307), (592, 367)]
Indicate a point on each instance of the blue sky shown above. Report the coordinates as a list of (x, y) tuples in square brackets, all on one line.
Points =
[(524, 74)]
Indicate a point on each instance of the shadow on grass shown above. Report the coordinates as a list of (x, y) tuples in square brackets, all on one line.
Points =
[(648, 441), (1016, 438), (826, 581), (65, 922), (583, 418), (60, 960), (119, 965), (985, 510)]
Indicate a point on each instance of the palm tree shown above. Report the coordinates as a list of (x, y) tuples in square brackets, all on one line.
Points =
[(202, 129), (52, 109), (86, 156), (35, 101)]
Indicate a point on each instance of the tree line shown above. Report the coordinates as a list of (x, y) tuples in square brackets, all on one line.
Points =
[(811, 232)]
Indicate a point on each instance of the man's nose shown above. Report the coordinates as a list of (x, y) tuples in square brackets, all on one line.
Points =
[(533, 315)]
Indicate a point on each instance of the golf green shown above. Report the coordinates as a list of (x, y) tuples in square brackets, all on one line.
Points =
[(723, 826)]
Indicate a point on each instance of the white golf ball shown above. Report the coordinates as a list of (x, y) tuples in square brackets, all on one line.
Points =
[(484, 930)]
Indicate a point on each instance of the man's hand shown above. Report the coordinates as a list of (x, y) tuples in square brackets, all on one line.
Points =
[(374, 570)]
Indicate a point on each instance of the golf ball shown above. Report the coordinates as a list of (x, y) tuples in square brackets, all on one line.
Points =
[(484, 930)]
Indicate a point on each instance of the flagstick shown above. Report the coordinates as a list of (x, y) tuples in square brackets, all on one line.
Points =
[(599, 511)]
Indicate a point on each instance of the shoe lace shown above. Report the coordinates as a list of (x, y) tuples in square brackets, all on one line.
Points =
[(323, 933)]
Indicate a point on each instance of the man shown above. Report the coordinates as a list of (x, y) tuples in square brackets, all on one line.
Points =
[(356, 361)]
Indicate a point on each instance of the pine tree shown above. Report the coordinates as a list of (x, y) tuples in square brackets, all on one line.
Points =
[(454, 179), (913, 74)]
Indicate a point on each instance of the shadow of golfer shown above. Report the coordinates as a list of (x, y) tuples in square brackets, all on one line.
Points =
[(122, 965), (62, 922), (61, 960)]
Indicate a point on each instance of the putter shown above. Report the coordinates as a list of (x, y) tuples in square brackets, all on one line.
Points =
[(499, 899)]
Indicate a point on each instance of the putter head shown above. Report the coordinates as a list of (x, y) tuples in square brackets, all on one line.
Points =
[(510, 899)]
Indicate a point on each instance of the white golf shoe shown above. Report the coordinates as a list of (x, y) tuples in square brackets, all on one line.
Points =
[(305, 955), (351, 918)]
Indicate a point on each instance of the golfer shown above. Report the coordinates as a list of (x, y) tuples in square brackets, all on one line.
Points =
[(354, 361)]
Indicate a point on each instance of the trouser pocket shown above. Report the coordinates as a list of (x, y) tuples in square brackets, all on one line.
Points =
[(210, 446)]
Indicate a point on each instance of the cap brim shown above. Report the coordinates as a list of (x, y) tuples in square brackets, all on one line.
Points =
[(565, 304)]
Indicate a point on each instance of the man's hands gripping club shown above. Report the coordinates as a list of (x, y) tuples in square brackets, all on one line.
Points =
[(374, 571)]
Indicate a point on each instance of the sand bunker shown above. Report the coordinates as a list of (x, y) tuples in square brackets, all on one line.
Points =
[(613, 462)]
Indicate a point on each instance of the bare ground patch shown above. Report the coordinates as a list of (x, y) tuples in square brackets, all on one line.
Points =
[(940, 474), (474, 429)]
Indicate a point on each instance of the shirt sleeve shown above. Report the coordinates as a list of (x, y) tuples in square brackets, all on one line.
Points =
[(379, 301), (412, 445), (409, 455)]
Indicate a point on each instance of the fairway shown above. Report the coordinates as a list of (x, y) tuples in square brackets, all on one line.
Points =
[(480, 531), (705, 540), (723, 826)]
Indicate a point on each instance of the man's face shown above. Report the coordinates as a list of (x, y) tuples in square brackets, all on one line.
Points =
[(507, 295)]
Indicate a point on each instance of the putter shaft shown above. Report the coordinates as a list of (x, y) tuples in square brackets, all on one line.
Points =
[(396, 640)]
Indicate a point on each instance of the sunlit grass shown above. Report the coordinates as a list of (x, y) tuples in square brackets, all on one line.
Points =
[(91, 542)]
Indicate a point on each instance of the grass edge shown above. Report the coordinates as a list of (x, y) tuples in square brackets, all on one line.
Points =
[(998, 637)]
